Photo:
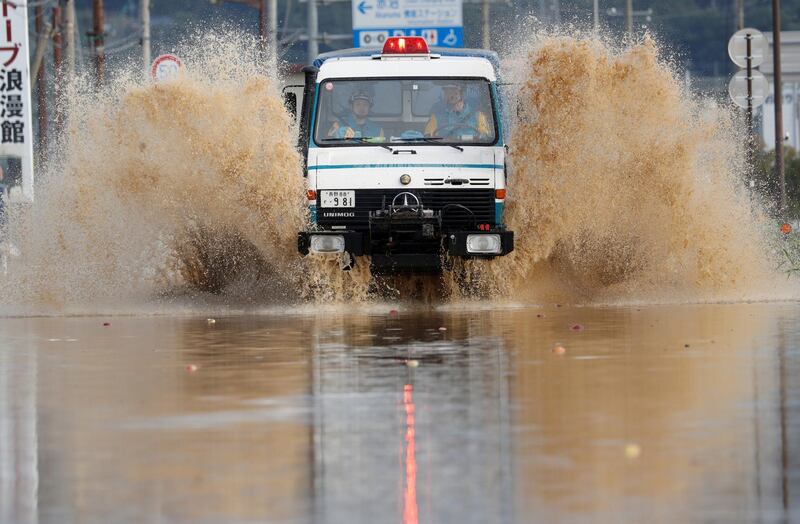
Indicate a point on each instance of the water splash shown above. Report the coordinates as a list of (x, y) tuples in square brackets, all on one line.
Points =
[(192, 180), (625, 186)]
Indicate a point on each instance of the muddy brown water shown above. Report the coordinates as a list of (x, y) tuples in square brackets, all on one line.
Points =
[(658, 414)]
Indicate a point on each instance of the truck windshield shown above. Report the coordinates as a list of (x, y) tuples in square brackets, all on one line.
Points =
[(433, 111)]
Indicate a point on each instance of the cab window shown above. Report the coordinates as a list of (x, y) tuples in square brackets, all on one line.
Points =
[(427, 111)]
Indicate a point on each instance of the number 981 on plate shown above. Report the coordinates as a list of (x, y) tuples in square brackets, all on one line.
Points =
[(338, 199)]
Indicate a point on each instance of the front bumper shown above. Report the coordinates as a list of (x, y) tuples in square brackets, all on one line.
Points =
[(453, 244)]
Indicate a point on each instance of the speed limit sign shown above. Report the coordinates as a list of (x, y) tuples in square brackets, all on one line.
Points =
[(166, 67)]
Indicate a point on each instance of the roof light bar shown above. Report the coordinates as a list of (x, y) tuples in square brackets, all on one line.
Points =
[(405, 45)]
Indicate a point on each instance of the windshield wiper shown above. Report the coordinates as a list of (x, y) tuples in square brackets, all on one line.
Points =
[(429, 140), (361, 139)]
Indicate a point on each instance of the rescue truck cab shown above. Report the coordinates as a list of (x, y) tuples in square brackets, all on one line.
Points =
[(404, 157)]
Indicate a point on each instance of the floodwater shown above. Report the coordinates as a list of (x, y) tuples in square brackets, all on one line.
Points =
[(658, 414)]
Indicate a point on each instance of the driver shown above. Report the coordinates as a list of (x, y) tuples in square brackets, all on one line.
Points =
[(455, 117), (357, 123)]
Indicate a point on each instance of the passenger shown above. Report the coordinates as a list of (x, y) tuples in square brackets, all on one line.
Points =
[(455, 118), (357, 123)]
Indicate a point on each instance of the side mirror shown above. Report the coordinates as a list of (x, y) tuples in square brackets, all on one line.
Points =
[(290, 101)]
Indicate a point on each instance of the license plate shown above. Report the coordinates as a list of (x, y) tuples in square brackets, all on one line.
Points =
[(338, 199)]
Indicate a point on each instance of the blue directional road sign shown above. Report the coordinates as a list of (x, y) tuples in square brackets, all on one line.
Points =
[(440, 22)]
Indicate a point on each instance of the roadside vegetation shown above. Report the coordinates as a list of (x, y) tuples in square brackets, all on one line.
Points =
[(790, 251), (766, 184)]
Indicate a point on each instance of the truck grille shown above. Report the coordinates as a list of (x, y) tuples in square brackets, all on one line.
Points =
[(479, 201)]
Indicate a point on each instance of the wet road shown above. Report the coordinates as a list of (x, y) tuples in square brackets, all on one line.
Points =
[(657, 414)]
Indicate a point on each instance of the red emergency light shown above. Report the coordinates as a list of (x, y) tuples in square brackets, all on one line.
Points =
[(405, 45)]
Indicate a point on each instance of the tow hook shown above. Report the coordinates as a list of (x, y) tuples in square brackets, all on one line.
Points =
[(347, 261)]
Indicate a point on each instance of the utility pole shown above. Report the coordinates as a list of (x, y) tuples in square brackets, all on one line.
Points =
[(267, 22), (313, 31), (596, 16), (99, 41), (776, 57), (144, 15), (486, 37), (629, 15), (38, 57), (41, 90)]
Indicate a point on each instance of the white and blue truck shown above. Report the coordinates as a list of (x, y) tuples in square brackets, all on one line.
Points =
[(405, 159)]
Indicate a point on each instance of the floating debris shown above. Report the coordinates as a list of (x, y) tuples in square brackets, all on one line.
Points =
[(211, 321), (443, 329), (106, 324), (559, 350), (191, 368), (576, 327), (412, 363), (632, 451)]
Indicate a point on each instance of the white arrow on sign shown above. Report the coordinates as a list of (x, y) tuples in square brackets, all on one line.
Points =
[(737, 47), (737, 88)]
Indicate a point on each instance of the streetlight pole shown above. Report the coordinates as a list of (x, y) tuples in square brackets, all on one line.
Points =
[(144, 14), (69, 44), (57, 65), (41, 88), (313, 31), (273, 27), (485, 36), (268, 25), (629, 15), (98, 40), (776, 57), (740, 13)]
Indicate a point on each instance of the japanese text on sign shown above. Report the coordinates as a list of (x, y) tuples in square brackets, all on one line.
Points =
[(439, 21), (16, 137)]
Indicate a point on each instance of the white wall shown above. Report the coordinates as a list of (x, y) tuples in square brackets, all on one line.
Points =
[(791, 116)]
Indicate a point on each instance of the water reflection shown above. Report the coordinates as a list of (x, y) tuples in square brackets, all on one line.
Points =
[(414, 417), (410, 509), (687, 414)]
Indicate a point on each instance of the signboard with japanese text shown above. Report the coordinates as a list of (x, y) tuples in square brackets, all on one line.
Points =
[(16, 134), (440, 22)]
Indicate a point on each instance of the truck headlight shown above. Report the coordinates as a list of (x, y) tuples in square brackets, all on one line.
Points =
[(484, 244), (326, 244)]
